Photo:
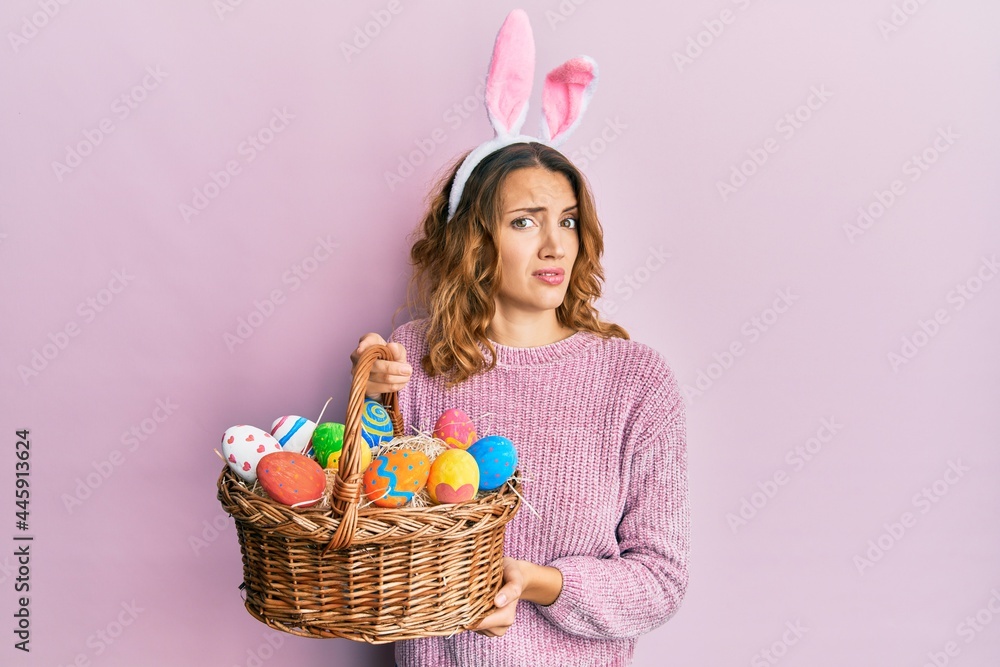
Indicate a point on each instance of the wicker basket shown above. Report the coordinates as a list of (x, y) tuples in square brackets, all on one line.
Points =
[(368, 574)]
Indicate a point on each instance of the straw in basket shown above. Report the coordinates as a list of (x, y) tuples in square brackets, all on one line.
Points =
[(368, 573)]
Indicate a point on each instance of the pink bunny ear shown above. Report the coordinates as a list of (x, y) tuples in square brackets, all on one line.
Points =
[(512, 68), (568, 89)]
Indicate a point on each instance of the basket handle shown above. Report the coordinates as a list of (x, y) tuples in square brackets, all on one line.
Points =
[(346, 495)]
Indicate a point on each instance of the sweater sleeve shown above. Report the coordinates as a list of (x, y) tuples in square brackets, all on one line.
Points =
[(641, 588)]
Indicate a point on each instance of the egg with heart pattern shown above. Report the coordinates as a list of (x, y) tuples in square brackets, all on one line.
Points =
[(244, 446), (454, 477)]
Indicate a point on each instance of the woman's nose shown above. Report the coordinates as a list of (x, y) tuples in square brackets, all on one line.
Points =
[(552, 242)]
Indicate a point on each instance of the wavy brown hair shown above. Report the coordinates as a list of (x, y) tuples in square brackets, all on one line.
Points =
[(456, 274)]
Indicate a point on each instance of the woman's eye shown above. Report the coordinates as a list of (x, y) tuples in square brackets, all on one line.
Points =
[(571, 221), (517, 223)]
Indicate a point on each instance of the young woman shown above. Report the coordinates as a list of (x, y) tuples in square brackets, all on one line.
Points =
[(512, 337)]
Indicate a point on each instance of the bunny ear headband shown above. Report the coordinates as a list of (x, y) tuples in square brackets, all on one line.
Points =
[(568, 89)]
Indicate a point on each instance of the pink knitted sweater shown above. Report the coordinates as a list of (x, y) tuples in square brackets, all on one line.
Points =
[(600, 430)]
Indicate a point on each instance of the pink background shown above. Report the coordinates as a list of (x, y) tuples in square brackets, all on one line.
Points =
[(661, 136)]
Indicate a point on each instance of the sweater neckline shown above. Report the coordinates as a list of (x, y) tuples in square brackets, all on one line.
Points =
[(528, 356)]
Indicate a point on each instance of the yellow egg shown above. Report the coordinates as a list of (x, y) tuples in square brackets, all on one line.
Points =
[(454, 477), (366, 458)]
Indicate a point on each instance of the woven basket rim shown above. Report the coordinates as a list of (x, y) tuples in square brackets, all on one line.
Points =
[(319, 523)]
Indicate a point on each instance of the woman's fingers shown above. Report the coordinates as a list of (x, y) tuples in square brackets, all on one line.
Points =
[(386, 375), (391, 375), (497, 623), (397, 351), (365, 342), (394, 374), (513, 582)]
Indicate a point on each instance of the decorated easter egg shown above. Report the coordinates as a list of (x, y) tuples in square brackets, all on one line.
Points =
[(293, 433), (497, 459), (291, 478), (243, 446), (327, 438), (456, 429), (395, 477), (366, 458), (454, 477), (376, 425)]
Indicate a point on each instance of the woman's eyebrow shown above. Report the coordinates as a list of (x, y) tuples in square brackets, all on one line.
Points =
[(536, 209)]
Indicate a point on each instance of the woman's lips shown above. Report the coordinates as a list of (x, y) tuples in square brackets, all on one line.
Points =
[(550, 276)]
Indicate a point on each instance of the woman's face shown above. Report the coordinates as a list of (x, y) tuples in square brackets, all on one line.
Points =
[(538, 240)]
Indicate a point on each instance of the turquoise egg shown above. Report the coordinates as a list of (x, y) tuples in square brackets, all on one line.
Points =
[(496, 457)]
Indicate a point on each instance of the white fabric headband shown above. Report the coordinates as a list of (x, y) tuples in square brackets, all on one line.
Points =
[(566, 94)]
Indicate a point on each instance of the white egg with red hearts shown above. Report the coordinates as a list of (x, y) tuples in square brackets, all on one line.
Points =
[(244, 446)]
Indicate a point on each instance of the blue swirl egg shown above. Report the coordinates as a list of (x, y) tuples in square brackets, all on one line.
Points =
[(376, 425)]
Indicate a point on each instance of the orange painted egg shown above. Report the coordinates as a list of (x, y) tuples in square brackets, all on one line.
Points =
[(454, 477), (456, 429), (395, 477), (292, 479)]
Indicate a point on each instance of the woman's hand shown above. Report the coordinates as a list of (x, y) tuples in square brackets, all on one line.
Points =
[(386, 376), (522, 580)]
